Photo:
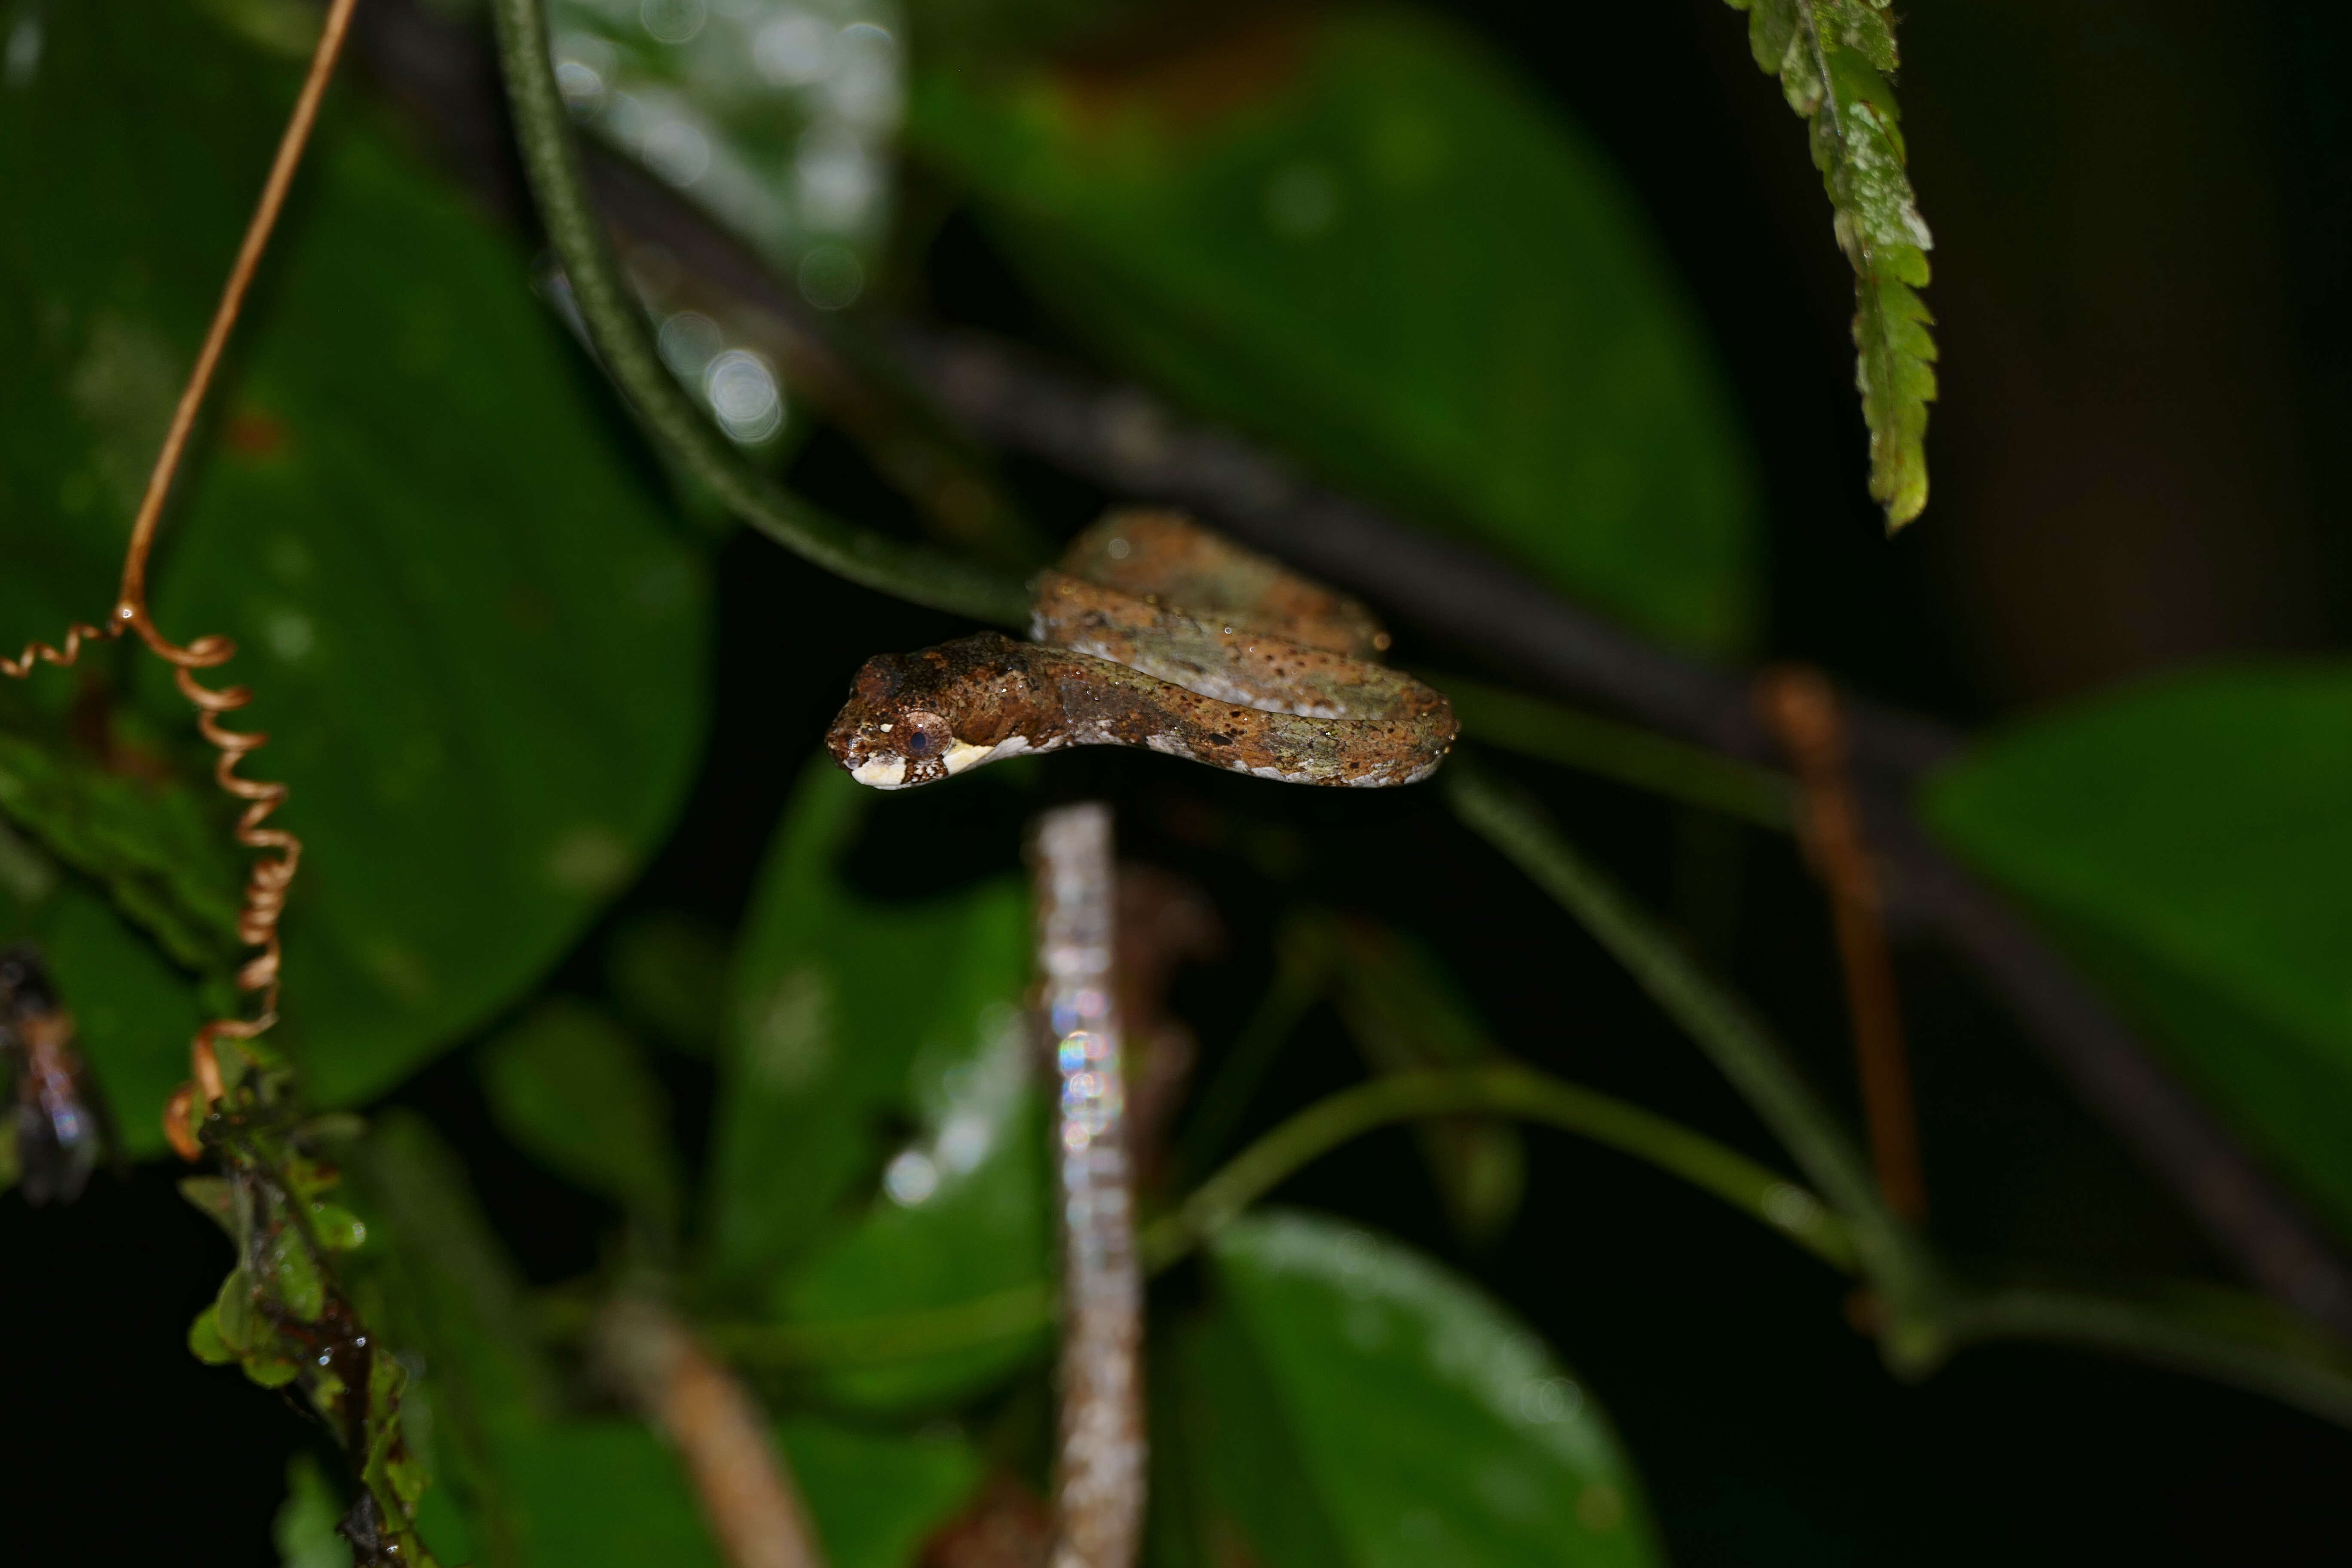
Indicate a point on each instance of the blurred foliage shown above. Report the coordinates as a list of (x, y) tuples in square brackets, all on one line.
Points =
[(2190, 839), (814, 1214), (573, 1088), (479, 642), (667, 972), (1353, 231)]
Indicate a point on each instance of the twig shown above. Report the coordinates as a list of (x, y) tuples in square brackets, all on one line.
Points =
[(1533, 727), (1727, 1032), (2241, 1341), (1099, 1487), (754, 1511), (2224, 1336), (1801, 708), (1511, 1091), (616, 326), (1121, 438)]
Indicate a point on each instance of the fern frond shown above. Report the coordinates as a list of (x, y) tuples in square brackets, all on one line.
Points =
[(1831, 57)]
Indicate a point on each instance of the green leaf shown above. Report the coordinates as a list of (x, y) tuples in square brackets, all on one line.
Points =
[(305, 1527), (476, 641), (965, 1215), (2188, 839), (570, 1086), (668, 974), (1356, 1405), (846, 1015), (1829, 56), (454, 1291), (205, 1341), (600, 1494), (1357, 232), (1407, 1015), (442, 1287), (295, 1278), (877, 1497), (160, 850)]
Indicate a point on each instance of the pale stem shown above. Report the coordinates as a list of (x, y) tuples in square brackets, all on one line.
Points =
[(1099, 1480)]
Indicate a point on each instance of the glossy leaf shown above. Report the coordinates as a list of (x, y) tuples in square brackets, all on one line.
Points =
[(965, 1214), (1358, 233), (2190, 839), (847, 1015), (569, 1086), (1833, 58), (1356, 1405), (475, 643)]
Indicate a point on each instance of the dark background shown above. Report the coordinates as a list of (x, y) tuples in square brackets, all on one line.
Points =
[(2144, 226)]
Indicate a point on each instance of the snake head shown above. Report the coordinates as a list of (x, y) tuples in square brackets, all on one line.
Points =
[(907, 716)]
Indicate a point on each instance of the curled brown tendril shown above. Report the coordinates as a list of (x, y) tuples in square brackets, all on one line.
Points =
[(265, 887)]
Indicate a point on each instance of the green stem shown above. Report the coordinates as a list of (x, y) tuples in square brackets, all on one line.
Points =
[(1297, 982), (616, 326), (1620, 752), (1512, 1092), (1405, 1097), (1007, 1314), (1728, 1032), (2224, 1336)]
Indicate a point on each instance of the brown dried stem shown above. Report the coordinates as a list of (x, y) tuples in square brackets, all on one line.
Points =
[(1098, 1484), (1801, 708), (755, 1512)]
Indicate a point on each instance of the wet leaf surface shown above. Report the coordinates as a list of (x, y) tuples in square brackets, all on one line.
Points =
[(1358, 1404)]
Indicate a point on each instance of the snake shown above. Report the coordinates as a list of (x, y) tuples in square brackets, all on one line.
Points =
[(1156, 633)]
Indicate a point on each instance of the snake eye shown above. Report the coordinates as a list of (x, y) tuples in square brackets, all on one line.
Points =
[(923, 736)]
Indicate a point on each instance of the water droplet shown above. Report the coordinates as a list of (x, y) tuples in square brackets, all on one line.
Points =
[(910, 1179), (673, 21), (689, 341), (743, 394), (830, 277), (677, 151), (792, 50)]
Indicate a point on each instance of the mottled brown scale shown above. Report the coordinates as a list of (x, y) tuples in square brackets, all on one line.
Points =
[(1252, 669)]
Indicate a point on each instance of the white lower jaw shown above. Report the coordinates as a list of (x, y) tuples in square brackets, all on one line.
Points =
[(881, 773)]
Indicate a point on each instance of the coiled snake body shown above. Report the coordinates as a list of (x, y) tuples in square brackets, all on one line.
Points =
[(1157, 634)]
